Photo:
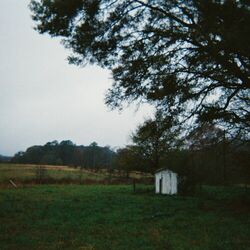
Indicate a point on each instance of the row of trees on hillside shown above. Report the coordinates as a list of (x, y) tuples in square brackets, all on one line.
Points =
[(4, 159), (67, 153)]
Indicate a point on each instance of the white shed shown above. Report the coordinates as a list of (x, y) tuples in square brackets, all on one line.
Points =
[(166, 182)]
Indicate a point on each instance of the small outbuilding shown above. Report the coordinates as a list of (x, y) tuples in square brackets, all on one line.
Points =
[(166, 181)]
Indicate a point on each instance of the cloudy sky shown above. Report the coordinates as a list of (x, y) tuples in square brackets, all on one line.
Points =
[(42, 98)]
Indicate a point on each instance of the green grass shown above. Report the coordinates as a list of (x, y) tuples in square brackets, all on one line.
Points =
[(113, 217)]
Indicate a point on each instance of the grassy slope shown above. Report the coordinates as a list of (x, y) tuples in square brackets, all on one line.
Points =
[(25, 172), (22, 172), (112, 217)]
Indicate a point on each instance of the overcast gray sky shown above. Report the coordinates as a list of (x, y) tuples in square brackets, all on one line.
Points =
[(43, 98)]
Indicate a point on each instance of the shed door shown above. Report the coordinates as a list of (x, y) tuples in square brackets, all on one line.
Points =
[(160, 185)]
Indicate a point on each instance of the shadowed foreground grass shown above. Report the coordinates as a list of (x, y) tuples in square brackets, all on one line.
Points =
[(113, 217)]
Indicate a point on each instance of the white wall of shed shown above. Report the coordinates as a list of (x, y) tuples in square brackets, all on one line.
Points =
[(157, 182), (169, 182), (174, 183)]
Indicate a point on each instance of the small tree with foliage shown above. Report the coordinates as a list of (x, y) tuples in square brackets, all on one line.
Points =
[(154, 138)]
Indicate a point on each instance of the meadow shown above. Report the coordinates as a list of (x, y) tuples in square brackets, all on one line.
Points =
[(26, 174), (22, 173), (89, 217)]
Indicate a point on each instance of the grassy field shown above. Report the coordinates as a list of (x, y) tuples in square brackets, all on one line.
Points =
[(26, 173), (113, 217)]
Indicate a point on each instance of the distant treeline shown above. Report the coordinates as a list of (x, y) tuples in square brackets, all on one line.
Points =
[(67, 153), (4, 159)]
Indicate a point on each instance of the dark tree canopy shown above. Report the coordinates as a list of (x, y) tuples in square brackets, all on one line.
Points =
[(205, 136), (154, 138), (190, 58)]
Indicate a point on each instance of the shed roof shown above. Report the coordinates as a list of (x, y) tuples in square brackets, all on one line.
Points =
[(163, 169)]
